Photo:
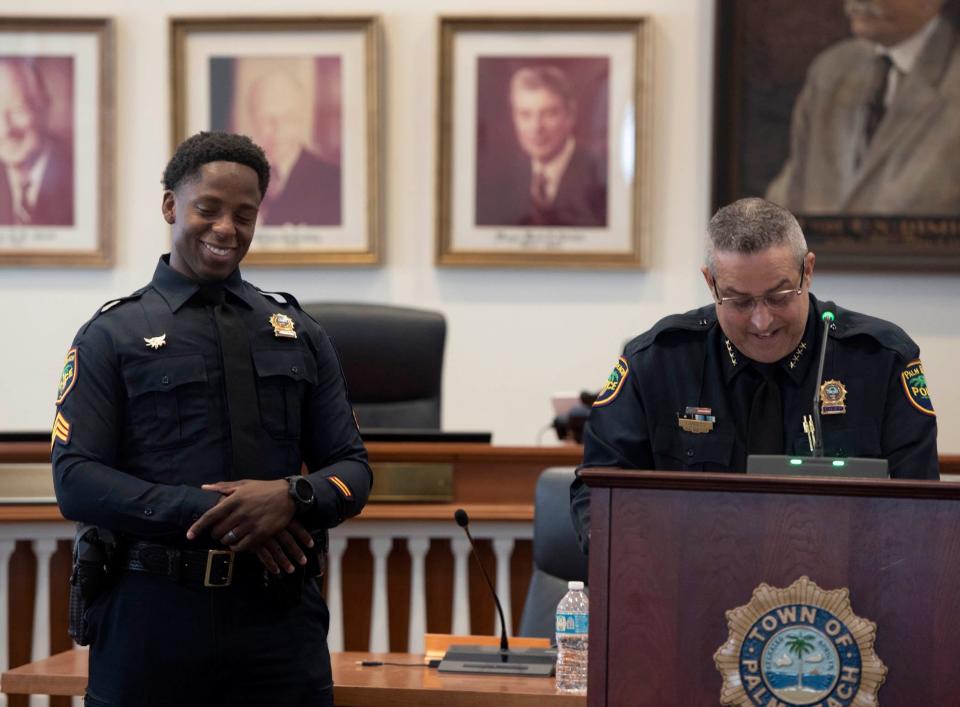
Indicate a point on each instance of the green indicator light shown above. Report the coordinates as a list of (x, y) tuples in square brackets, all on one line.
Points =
[(796, 462), (839, 462)]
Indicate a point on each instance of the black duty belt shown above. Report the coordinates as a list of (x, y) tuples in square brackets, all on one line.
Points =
[(196, 568)]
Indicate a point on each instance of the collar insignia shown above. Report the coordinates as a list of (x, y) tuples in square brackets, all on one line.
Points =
[(282, 326), (730, 353), (832, 395), (697, 420), (156, 342), (798, 354), (799, 645)]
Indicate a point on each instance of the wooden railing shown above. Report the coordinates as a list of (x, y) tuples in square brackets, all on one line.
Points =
[(394, 573)]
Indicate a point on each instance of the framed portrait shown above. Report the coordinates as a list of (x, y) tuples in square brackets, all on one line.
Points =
[(542, 127), (56, 141), (847, 115), (306, 89)]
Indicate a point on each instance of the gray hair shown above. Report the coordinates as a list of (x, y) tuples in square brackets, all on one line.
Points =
[(752, 225), (550, 78)]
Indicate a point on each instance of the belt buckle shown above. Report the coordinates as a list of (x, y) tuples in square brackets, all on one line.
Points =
[(211, 555)]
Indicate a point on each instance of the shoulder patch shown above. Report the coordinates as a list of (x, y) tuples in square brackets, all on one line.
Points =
[(68, 376), (614, 383), (915, 387)]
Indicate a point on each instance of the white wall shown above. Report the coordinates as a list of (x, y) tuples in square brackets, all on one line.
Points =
[(515, 336)]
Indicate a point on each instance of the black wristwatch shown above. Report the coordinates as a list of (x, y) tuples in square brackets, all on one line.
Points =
[(301, 491)]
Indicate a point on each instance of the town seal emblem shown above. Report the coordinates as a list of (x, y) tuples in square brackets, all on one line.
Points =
[(799, 646)]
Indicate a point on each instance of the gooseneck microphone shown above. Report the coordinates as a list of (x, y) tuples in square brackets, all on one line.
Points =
[(827, 317), (489, 659), (463, 520)]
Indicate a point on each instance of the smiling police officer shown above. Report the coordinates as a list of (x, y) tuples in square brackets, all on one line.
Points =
[(184, 413), (702, 390)]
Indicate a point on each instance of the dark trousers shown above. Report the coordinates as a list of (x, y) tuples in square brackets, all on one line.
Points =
[(155, 643)]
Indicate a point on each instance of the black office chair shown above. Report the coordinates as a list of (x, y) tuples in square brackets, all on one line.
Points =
[(392, 359), (557, 558)]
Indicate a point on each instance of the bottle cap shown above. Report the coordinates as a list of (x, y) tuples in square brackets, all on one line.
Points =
[(574, 585)]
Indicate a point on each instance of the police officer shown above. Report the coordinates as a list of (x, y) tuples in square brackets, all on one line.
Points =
[(702, 390), (184, 413)]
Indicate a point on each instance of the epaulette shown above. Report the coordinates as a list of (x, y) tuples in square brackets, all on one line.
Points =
[(850, 324), (280, 297), (110, 304), (695, 320)]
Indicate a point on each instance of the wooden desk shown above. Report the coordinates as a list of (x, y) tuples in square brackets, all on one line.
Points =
[(354, 685)]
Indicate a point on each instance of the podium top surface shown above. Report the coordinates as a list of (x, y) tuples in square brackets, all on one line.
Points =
[(741, 483)]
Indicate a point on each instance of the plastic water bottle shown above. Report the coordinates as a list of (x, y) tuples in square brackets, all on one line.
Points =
[(573, 618)]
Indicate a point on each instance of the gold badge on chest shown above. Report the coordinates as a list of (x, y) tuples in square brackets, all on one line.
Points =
[(282, 326), (833, 393)]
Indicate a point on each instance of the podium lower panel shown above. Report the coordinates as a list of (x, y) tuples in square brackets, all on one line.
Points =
[(673, 562)]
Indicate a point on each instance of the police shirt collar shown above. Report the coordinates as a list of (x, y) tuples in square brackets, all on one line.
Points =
[(794, 365), (176, 288)]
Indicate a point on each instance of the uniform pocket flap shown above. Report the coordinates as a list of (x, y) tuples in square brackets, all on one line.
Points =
[(289, 363), (164, 374), (707, 448)]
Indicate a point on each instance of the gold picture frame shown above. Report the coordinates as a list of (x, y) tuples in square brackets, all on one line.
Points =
[(307, 89), (56, 174), (511, 192), (786, 129)]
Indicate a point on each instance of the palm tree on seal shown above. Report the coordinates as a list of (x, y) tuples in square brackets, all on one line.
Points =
[(800, 645)]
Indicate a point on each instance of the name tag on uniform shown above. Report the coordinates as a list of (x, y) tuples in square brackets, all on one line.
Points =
[(697, 420)]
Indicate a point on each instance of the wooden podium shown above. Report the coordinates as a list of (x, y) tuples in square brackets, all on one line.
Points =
[(671, 552)]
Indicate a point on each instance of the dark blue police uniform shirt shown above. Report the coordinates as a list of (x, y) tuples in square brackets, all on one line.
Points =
[(684, 361), (139, 428)]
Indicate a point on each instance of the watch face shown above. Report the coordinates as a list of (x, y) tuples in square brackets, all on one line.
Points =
[(303, 490)]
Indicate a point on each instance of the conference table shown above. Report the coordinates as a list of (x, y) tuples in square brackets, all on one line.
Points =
[(354, 684)]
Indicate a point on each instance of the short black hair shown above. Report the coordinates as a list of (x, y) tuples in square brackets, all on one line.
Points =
[(197, 150)]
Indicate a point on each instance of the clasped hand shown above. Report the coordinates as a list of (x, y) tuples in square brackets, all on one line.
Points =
[(255, 516)]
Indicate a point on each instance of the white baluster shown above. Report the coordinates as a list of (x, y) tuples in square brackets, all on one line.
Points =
[(6, 550), (503, 549), (43, 549), (417, 547), (335, 592), (379, 618), (461, 588)]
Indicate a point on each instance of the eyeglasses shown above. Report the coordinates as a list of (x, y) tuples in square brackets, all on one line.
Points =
[(744, 304)]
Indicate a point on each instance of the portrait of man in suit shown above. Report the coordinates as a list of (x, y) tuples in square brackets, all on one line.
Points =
[(291, 108), (547, 175), (36, 163), (874, 129)]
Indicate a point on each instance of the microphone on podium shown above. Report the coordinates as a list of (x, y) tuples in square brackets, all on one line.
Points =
[(816, 448), (817, 464), (489, 659)]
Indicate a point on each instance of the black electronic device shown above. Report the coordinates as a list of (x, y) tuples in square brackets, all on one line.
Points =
[(847, 467), (400, 434), (539, 662)]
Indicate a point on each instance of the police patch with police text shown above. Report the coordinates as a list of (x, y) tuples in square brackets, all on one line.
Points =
[(68, 376), (611, 388), (915, 387)]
